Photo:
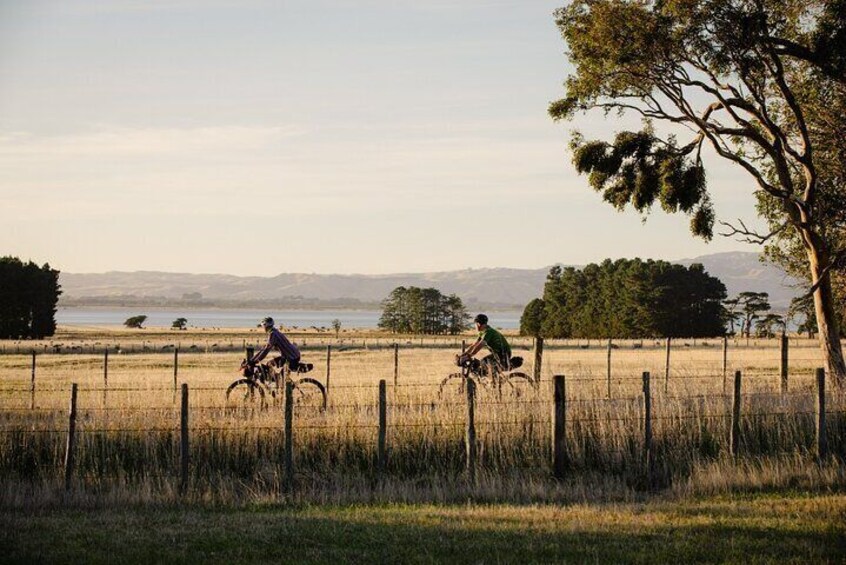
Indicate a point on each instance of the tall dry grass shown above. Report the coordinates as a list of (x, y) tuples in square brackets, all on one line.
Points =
[(128, 432)]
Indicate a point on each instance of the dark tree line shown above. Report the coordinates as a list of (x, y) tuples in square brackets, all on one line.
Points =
[(28, 298), (423, 311), (627, 299)]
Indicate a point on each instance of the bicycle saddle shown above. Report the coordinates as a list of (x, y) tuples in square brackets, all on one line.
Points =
[(305, 367)]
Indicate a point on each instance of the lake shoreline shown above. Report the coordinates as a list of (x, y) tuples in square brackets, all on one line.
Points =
[(241, 318)]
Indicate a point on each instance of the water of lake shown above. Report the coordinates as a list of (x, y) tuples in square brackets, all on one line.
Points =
[(214, 318)]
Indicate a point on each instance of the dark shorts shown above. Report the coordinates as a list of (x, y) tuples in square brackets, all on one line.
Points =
[(293, 364), (491, 363)]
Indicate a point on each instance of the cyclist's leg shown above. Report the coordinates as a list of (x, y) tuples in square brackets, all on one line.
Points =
[(489, 366), (293, 364)]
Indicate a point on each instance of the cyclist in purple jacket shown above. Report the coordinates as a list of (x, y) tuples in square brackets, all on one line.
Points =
[(277, 340)]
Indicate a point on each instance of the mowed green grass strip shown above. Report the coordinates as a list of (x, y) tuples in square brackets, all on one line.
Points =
[(761, 528)]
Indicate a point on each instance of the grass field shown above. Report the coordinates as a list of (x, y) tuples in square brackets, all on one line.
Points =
[(128, 440), (741, 529)]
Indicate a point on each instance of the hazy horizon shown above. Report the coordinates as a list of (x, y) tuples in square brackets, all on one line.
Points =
[(482, 268)]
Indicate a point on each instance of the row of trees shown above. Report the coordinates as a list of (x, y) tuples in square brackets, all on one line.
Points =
[(750, 310), (28, 298), (423, 311), (621, 296), (627, 299)]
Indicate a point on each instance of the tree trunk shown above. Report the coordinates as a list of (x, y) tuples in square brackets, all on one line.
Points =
[(829, 332)]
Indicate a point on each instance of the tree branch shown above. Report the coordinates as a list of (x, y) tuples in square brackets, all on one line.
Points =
[(786, 47), (751, 236)]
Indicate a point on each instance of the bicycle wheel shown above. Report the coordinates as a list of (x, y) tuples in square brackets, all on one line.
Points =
[(245, 393), (520, 384), (452, 387), (311, 393)]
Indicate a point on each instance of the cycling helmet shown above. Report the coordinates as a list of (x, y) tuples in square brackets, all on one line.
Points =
[(481, 319), (267, 322)]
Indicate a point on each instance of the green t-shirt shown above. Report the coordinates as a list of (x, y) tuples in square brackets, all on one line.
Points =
[(496, 343)]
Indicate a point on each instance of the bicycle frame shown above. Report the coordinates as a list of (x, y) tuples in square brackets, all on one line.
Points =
[(266, 378)]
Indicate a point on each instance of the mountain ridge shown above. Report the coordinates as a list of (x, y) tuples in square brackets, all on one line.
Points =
[(493, 286)]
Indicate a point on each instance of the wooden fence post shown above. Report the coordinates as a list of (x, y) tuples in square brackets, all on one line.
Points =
[(70, 446), (105, 376), (32, 385), (559, 429), (328, 365), (735, 416), (608, 368), (463, 346), (289, 437), (647, 428), (175, 365), (725, 361), (382, 459), (538, 361), (183, 443), (784, 353), (667, 367), (470, 435), (822, 440), (396, 364)]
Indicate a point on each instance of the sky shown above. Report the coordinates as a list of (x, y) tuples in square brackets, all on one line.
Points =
[(317, 136)]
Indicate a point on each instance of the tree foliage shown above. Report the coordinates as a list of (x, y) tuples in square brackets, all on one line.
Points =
[(770, 325), (760, 83), (802, 307), (632, 299), (136, 322), (180, 324), (531, 322), (751, 305), (28, 298), (423, 311), (732, 313)]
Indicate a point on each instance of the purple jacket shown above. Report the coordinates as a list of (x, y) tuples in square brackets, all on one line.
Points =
[(277, 340)]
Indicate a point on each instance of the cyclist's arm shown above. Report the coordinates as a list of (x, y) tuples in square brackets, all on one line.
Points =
[(262, 354), (475, 348)]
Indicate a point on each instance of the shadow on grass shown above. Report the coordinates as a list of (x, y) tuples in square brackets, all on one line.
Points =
[(414, 534)]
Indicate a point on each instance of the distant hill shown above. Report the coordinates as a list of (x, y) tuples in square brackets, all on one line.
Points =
[(497, 287), (741, 271)]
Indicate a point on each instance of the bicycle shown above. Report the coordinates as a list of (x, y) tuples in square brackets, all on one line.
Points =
[(262, 380), (471, 369)]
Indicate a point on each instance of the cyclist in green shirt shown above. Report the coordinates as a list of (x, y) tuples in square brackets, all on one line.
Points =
[(499, 358)]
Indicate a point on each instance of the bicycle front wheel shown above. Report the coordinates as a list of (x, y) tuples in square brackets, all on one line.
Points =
[(452, 387), (245, 393)]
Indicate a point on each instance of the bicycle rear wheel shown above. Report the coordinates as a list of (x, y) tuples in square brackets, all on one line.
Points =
[(245, 393), (520, 384)]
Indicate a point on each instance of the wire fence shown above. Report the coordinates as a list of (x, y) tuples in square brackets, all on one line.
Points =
[(702, 408), (249, 417), (312, 343)]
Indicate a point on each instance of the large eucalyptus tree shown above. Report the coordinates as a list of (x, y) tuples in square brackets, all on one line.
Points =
[(741, 76)]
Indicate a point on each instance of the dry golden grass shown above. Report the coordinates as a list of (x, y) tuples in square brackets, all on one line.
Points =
[(128, 431)]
